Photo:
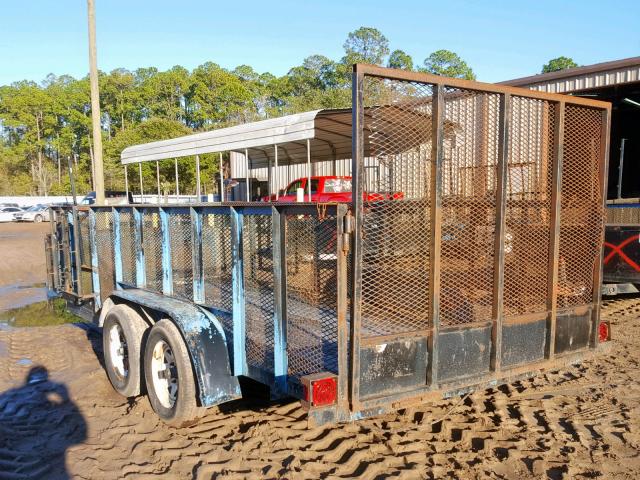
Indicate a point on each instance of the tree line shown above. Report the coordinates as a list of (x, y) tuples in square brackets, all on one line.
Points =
[(46, 125)]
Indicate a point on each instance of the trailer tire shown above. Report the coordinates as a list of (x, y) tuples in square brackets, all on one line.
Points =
[(169, 376), (122, 342)]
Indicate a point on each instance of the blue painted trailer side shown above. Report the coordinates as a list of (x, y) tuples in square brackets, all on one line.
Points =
[(204, 337)]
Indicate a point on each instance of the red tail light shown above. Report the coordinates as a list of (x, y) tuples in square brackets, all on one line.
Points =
[(320, 389), (603, 332)]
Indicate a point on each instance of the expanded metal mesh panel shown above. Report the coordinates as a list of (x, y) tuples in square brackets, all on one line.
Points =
[(128, 247), (152, 248), (180, 232), (104, 247), (528, 206), (468, 206), (623, 215), (395, 263), (581, 217), (312, 329), (217, 261), (259, 285), (83, 250)]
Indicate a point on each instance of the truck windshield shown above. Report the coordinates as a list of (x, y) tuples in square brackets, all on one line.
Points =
[(293, 187), (336, 185)]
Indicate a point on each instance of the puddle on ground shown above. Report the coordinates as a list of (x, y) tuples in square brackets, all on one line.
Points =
[(39, 314), (20, 295)]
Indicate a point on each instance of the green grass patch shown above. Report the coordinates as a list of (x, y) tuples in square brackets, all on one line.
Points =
[(40, 314)]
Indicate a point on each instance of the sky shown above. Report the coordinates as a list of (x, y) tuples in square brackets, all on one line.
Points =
[(500, 40)]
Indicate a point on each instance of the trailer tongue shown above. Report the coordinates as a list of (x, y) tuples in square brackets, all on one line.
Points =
[(485, 268)]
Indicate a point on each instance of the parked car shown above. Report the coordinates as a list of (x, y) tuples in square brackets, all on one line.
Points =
[(328, 189), (35, 213), (110, 197), (6, 213)]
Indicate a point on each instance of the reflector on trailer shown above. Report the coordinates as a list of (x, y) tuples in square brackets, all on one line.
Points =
[(320, 390), (603, 332)]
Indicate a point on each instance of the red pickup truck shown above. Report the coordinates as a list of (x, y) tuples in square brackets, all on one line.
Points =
[(328, 189)]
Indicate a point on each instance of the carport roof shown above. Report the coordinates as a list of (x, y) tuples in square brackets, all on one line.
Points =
[(328, 132)]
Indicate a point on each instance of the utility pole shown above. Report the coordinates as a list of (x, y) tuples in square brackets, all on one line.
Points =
[(95, 106)]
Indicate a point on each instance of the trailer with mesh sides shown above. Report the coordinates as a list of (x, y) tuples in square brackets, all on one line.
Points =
[(484, 267)]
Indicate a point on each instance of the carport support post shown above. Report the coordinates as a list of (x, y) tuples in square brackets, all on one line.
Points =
[(221, 179), (499, 254), (158, 178), (237, 281), (275, 149), (198, 190), (309, 168), (554, 245), (175, 161), (126, 183), (280, 301), (246, 176), (436, 228), (141, 186)]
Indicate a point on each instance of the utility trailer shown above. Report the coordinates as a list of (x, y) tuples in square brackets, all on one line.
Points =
[(486, 269), (621, 266)]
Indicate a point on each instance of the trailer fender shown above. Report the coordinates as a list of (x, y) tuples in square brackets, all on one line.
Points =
[(204, 337)]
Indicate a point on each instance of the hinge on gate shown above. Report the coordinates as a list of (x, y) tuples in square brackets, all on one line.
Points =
[(347, 230)]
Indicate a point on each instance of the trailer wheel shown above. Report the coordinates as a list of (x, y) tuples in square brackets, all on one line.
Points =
[(122, 337), (169, 376)]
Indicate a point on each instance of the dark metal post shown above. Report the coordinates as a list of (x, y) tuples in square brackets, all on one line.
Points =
[(342, 254), (499, 253), (435, 190), (554, 247), (621, 166), (357, 89)]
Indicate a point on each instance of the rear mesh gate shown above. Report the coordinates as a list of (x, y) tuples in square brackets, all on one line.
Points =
[(460, 241)]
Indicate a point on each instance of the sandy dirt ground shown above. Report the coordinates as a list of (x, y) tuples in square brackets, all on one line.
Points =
[(59, 418), (22, 263)]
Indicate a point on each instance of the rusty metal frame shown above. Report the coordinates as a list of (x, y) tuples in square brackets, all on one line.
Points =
[(598, 269), (499, 253), (554, 245), (437, 127), (360, 71)]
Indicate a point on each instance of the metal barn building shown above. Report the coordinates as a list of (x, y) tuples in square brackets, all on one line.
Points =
[(617, 82)]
